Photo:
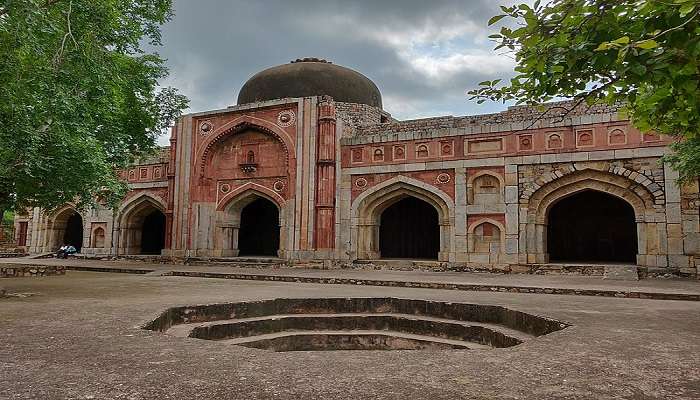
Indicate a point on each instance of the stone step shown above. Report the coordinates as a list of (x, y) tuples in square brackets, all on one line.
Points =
[(236, 261), (447, 343), (488, 334), (184, 330), (42, 256), (621, 272)]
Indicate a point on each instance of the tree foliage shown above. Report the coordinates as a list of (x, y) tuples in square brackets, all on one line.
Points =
[(79, 97), (641, 52)]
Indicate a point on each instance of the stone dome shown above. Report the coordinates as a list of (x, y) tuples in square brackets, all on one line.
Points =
[(310, 77)]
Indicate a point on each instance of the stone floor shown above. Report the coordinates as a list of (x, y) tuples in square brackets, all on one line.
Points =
[(78, 337), (675, 285)]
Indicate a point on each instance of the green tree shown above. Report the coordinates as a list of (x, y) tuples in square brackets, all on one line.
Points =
[(79, 97), (643, 53)]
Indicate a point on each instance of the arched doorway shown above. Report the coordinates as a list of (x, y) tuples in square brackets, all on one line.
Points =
[(259, 233), (65, 228), (409, 228), (142, 228), (153, 233), (591, 226), (73, 234)]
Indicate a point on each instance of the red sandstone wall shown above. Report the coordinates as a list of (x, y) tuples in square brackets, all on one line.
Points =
[(441, 179), (220, 153), (603, 136)]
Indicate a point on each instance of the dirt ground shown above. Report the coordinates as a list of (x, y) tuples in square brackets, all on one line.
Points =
[(78, 337)]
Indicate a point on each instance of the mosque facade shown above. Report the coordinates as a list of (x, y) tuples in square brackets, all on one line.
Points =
[(308, 168)]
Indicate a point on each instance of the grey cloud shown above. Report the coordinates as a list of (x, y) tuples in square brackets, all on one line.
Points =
[(214, 46)]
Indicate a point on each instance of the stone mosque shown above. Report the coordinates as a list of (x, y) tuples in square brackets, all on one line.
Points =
[(308, 169)]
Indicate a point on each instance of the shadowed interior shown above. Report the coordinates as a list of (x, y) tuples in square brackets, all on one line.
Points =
[(592, 226), (409, 228)]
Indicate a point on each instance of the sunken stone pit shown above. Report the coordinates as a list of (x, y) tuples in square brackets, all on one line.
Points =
[(355, 324)]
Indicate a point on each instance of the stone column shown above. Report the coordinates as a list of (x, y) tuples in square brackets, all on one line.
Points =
[(511, 244), (674, 229), (460, 245), (367, 243), (445, 233), (325, 177), (228, 240), (170, 207)]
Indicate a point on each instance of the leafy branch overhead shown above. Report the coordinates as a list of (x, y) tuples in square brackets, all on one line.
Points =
[(643, 53), (79, 97)]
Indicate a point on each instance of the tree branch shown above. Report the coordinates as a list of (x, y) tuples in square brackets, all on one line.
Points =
[(59, 54), (675, 28)]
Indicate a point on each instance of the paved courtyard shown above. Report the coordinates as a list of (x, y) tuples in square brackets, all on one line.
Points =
[(77, 337)]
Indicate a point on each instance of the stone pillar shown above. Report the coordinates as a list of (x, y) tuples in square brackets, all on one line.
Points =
[(460, 244), (169, 210), (324, 225), (228, 241), (511, 245), (367, 240), (674, 220), (445, 242)]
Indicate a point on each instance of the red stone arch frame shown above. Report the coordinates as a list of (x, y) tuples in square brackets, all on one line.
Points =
[(250, 186), (242, 124), (228, 217), (366, 211)]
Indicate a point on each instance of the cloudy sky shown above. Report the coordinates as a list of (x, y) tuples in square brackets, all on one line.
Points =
[(423, 54)]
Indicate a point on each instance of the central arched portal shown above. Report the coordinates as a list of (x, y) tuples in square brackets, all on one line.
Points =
[(409, 228), (592, 226), (259, 233)]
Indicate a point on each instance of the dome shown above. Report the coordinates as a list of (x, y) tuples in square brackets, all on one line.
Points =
[(310, 77)]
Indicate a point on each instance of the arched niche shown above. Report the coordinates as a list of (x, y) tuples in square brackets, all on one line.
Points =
[(98, 238), (485, 188)]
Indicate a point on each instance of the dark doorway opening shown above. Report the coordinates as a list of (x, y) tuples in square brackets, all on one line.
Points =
[(409, 228), (259, 234), (592, 226), (74, 232), (153, 233)]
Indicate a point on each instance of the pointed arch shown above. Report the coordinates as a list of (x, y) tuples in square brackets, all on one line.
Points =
[(399, 186), (633, 178), (241, 124), (250, 188), (472, 237), (369, 206), (143, 213), (633, 190), (137, 201), (473, 190), (630, 191), (230, 213), (65, 226)]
